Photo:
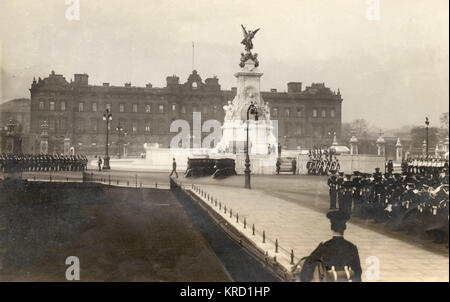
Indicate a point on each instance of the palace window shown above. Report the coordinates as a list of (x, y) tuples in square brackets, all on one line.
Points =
[(148, 108), (134, 126), (62, 124), (80, 107), (298, 130), (147, 126), (275, 112), (174, 107), (215, 109), (108, 106), (62, 106), (52, 106), (299, 112), (333, 113), (51, 125), (183, 109), (314, 112), (94, 107), (94, 124), (121, 107), (287, 112), (135, 108), (41, 105), (161, 108), (324, 113)]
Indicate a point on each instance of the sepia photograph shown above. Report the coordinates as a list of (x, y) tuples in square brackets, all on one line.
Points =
[(206, 143)]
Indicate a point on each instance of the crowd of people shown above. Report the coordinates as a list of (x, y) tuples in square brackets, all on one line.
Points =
[(416, 200), (322, 162), (42, 162)]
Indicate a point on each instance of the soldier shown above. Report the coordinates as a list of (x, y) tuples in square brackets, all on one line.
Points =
[(347, 187), (332, 183), (339, 256), (357, 190), (278, 165), (294, 166), (99, 162)]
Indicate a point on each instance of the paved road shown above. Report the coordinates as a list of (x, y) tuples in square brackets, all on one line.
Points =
[(300, 228)]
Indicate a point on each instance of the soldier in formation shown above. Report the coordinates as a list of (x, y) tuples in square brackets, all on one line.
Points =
[(322, 162), (424, 166), (10, 163), (414, 201)]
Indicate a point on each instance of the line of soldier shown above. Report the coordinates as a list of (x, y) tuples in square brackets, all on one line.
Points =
[(322, 162), (406, 201), (424, 166), (42, 162)]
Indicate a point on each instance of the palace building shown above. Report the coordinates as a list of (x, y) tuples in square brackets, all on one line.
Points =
[(73, 111)]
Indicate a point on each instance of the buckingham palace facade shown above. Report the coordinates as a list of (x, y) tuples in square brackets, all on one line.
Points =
[(73, 111)]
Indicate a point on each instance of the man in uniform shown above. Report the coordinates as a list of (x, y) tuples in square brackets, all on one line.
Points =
[(99, 162), (294, 166), (337, 254), (347, 188), (332, 183)]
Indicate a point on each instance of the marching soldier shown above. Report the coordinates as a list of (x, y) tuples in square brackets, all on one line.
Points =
[(332, 183)]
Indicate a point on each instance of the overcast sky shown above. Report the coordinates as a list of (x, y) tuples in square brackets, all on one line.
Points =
[(391, 72)]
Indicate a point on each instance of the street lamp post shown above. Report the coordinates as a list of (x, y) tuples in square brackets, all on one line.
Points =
[(107, 117), (119, 129), (254, 111), (427, 124)]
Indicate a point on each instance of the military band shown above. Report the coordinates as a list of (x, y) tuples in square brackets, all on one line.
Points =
[(322, 162), (415, 200), (42, 162)]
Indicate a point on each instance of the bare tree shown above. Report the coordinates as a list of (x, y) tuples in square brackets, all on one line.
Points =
[(444, 120)]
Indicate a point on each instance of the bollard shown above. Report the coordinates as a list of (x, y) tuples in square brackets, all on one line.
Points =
[(276, 245), (117, 182), (128, 183), (292, 256), (156, 185), (225, 209), (34, 177), (109, 179), (231, 213), (245, 223), (275, 258), (237, 217), (253, 229), (264, 236), (67, 178), (220, 206)]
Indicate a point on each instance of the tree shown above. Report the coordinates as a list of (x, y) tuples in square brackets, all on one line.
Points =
[(419, 135), (358, 127), (444, 121)]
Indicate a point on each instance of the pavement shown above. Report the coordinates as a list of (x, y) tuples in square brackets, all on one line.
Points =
[(301, 226)]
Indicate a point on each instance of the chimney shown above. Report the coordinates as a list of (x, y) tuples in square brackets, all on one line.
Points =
[(294, 87), (149, 85), (81, 79), (172, 81), (127, 84), (273, 90)]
